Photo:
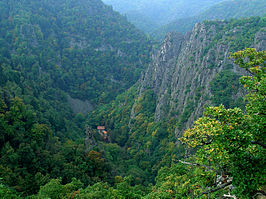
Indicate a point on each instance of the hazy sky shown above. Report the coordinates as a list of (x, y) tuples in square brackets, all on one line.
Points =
[(162, 11)]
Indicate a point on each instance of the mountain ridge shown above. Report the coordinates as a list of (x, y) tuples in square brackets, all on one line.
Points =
[(220, 11), (158, 13)]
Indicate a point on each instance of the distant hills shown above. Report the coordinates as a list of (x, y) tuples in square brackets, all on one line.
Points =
[(224, 10), (149, 15)]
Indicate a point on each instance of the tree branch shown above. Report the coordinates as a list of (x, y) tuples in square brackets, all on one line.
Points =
[(259, 193), (259, 143), (229, 196), (217, 188)]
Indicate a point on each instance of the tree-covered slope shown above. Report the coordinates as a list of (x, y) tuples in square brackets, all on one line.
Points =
[(54, 51), (83, 46), (224, 10), (229, 161), (149, 15), (54, 55)]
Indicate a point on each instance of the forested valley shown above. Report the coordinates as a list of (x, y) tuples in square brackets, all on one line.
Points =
[(92, 107)]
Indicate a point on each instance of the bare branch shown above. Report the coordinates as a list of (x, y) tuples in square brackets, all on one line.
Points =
[(259, 193), (217, 188), (230, 196)]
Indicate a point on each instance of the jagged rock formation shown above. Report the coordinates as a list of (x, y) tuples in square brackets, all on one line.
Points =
[(182, 70)]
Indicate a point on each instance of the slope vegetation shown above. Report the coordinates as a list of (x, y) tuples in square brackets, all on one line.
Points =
[(186, 74), (56, 55)]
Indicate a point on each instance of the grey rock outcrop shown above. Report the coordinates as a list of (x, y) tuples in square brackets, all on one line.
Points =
[(182, 69), (79, 106)]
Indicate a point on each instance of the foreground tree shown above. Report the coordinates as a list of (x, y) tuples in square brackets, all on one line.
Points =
[(231, 141)]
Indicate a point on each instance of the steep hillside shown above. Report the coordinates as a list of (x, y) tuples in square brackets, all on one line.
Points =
[(80, 49), (224, 10), (58, 59), (187, 73), (150, 15)]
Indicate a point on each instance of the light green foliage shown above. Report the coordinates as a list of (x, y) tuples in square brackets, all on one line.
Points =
[(54, 189), (233, 141), (182, 181), (256, 86), (121, 190), (8, 193)]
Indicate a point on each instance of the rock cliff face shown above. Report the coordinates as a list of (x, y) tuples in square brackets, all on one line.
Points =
[(184, 67)]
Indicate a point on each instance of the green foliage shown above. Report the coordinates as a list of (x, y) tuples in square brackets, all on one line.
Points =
[(181, 181), (55, 42), (122, 190), (224, 87), (8, 193), (116, 117), (231, 33), (146, 145), (50, 50), (54, 189), (31, 155), (232, 141)]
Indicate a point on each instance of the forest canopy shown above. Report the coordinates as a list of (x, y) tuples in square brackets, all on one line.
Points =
[(229, 145), (123, 141)]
